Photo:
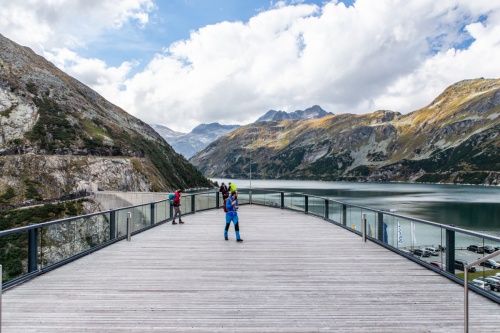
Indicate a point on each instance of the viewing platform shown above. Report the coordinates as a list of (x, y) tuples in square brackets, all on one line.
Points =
[(293, 273)]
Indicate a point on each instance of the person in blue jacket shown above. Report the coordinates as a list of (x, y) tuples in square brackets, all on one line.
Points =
[(232, 215)]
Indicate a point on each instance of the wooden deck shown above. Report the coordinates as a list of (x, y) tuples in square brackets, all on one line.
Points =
[(292, 273)]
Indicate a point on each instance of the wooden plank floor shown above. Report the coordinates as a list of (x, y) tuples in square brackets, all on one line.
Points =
[(293, 273)]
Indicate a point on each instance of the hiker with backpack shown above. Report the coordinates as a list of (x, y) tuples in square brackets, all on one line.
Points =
[(232, 187), (225, 194), (177, 206), (232, 216)]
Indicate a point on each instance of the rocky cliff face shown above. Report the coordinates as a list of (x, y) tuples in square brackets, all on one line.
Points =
[(454, 139), (59, 135)]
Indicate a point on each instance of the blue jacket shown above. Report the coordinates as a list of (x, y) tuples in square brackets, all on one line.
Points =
[(231, 209)]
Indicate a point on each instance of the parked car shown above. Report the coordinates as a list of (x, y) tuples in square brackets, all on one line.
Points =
[(421, 253), (432, 251), (494, 284), (475, 248), (490, 263), (496, 278), (438, 264), (489, 249), (480, 283), (460, 265)]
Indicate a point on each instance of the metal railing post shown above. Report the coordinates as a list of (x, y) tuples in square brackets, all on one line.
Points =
[(380, 227), (466, 300), (282, 194), (306, 204), (152, 214), (193, 203), (1, 287), (363, 227), (344, 214), (112, 224), (327, 209), (32, 250), (129, 226), (450, 251), (217, 200), (466, 286)]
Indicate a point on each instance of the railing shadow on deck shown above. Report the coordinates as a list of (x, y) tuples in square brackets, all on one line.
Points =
[(29, 251)]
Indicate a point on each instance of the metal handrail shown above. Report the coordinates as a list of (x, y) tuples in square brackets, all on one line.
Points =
[(388, 213), (466, 286), (282, 193)]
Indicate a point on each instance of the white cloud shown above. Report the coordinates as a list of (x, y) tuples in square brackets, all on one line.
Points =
[(384, 54), (46, 24)]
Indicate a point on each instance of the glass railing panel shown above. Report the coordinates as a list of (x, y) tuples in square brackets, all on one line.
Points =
[(272, 199), (335, 212), (389, 230), (64, 240), (490, 270), (243, 197), (186, 206), (162, 211), (316, 206), (295, 201), (468, 248), (202, 201), (121, 222), (354, 216), (57, 242), (14, 255), (259, 197), (141, 217), (421, 240)]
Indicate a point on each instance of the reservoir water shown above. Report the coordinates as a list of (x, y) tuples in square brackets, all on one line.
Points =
[(474, 208)]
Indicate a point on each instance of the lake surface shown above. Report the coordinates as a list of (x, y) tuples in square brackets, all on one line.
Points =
[(469, 207)]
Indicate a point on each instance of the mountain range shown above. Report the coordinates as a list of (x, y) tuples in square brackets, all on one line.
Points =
[(313, 112), (59, 136), (455, 139), (202, 135), (187, 144)]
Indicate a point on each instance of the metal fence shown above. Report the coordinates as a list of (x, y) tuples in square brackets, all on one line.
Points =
[(442, 248)]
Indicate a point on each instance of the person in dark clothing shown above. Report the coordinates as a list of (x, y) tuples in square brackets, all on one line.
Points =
[(224, 190), (232, 216), (177, 206)]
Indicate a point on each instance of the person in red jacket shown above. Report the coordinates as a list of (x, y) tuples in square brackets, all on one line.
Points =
[(177, 206)]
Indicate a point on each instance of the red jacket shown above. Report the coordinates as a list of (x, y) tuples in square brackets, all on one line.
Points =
[(177, 199)]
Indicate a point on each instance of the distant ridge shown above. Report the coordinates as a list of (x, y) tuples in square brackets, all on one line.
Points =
[(314, 112), (187, 144)]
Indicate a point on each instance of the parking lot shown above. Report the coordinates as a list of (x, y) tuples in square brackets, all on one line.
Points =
[(466, 255)]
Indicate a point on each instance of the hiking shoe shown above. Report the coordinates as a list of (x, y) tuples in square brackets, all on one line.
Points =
[(181, 222), (239, 240), (225, 238), (173, 222)]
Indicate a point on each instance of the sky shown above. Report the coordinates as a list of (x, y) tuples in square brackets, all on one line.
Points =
[(180, 63)]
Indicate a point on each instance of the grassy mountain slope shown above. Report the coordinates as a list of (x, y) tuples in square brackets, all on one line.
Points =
[(454, 139)]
